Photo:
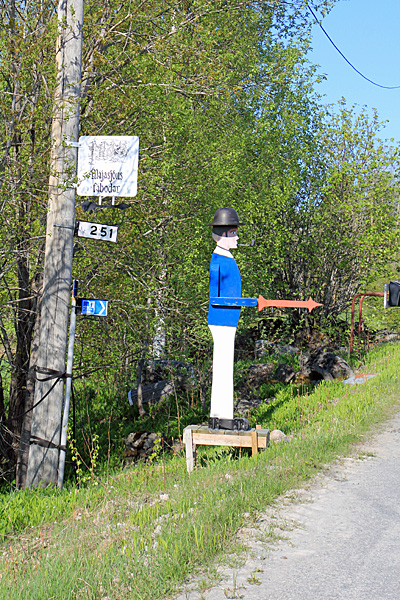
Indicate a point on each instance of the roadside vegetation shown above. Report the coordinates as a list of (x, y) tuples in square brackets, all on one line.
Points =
[(225, 101), (140, 532)]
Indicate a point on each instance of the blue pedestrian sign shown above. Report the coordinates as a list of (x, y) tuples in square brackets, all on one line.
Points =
[(94, 308)]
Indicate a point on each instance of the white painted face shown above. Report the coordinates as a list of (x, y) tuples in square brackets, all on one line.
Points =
[(229, 240)]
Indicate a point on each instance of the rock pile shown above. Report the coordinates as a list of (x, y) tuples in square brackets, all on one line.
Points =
[(324, 365), (258, 374), (284, 374), (141, 445), (278, 436), (160, 379), (314, 366), (144, 445), (383, 335), (265, 347), (244, 406)]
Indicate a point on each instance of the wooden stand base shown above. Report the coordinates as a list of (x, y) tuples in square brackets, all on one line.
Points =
[(197, 435)]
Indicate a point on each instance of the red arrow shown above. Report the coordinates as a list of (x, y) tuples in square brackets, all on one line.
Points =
[(310, 304)]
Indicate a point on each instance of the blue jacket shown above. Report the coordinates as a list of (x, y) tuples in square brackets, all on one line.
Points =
[(225, 282)]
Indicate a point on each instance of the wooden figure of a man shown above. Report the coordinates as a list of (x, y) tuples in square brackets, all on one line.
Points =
[(225, 300)]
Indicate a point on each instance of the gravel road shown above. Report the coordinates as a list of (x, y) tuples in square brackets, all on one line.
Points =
[(342, 536)]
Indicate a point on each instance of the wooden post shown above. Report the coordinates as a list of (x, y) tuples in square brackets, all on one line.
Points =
[(254, 442), (46, 419), (188, 441)]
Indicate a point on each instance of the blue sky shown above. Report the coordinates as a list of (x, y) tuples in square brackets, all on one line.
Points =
[(368, 34)]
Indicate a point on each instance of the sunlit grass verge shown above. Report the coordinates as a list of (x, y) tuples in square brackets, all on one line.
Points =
[(142, 534)]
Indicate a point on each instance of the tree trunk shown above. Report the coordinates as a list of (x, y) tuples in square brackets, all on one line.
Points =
[(23, 452), (25, 318)]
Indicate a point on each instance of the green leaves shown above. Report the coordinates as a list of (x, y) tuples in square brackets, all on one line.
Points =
[(223, 100)]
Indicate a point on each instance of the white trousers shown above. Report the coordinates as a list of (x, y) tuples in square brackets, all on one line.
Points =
[(222, 380)]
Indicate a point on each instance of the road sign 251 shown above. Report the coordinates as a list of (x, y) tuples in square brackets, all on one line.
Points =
[(97, 231)]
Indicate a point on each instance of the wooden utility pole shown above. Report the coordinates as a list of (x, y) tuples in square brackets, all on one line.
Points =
[(46, 420)]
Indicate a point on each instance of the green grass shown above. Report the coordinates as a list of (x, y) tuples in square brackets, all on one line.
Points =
[(142, 533)]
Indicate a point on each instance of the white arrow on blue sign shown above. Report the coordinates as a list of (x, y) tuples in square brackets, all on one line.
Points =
[(94, 308)]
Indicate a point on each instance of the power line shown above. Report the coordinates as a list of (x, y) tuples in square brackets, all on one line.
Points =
[(385, 87)]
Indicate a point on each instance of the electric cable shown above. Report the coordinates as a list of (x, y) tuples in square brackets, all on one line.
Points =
[(38, 402), (385, 87), (58, 376)]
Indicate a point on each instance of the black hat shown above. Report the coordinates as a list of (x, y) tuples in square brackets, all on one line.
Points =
[(226, 217)]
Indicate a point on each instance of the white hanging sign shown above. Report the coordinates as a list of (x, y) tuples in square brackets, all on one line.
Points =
[(96, 231), (108, 165)]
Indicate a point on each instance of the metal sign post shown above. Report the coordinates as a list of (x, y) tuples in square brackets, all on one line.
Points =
[(68, 386), (97, 308)]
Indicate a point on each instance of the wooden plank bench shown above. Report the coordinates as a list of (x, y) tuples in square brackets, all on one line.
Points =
[(198, 435)]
